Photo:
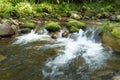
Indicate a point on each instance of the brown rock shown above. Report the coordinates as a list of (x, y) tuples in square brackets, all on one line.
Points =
[(110, 41), (65, 34), (7, 30), (55, 35)]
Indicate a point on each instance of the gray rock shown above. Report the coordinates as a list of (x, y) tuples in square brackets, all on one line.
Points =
[(113, 17), (7, 30)]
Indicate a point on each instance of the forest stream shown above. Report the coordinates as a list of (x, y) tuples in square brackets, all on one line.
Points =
[(81, 56)]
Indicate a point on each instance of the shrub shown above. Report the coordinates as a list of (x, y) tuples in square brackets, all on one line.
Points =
[(43, 7), (5, 8), (24, 9)]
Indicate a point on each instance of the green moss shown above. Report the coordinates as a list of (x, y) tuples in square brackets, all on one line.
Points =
[(75, 23), (116, 32), (30, 25), (118, 18), (52, 26), (73, 29), (108, 26)]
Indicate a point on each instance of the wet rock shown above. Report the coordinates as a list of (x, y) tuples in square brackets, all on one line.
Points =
[(7, 30), (25, 30), (116, 78), (65, 34), (2, 57), (113, 17), (116, 32), (75, 15), (46, 38), (109, 40), (55, 35), (104, 72)]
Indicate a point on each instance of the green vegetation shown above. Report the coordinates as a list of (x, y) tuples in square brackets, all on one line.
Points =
[(30, 24), (5, 8), (118, 18), (74, 25), (73, 29), (24, 8), (108, 26), (52, 26), (116, 32)]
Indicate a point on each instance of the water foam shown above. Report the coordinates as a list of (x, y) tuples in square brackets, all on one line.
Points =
[(32, 37), (92, 52)]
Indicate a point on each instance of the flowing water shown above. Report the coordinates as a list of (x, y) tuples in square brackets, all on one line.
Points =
[(81, 56)]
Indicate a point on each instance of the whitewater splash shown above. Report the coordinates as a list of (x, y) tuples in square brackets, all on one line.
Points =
[(32, 37), (88, 48)]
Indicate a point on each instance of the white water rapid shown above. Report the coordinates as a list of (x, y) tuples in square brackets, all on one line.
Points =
[(84, 45), (78, 44)]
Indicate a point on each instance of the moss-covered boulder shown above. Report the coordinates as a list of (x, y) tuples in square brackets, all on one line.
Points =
[(118, 18), (30, 25), (109, 40), (116, 32), (75, 23), (73, 29), (52, 26)]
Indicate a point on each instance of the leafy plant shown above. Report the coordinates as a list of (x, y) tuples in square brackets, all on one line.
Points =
[(24, 9), (5, 8)]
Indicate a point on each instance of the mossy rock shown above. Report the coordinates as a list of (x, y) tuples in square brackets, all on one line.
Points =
[(52, 26), (30, 25), (2, 57), (118, 18), (73, 29), (89, 13), (75, 23), (106, 14), (116, 32), (108, 40)]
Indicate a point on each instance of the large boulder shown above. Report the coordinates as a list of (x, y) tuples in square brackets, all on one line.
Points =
[(109, 40), (7, 30)]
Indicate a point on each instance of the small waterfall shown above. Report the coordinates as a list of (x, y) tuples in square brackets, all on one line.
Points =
[(78, 44)]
